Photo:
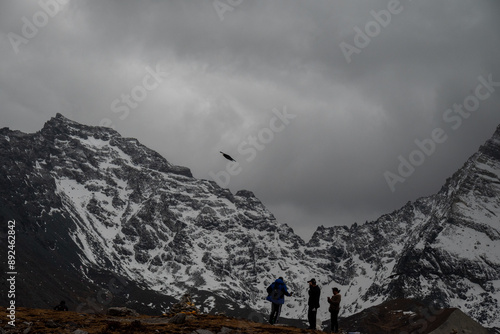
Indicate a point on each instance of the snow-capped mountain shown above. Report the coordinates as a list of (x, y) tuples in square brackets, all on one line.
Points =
[(443, 249), (103, 220)]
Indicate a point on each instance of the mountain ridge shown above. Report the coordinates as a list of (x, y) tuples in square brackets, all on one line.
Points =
[(96, 208)]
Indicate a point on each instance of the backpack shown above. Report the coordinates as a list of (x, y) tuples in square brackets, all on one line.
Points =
[(276, 294)]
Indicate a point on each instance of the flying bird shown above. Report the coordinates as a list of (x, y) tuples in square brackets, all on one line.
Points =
[(227, 156)]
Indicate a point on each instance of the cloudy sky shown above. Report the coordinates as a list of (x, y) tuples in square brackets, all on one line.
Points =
[(327, 106)]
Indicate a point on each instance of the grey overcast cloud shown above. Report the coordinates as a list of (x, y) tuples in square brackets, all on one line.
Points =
[(335, 111)]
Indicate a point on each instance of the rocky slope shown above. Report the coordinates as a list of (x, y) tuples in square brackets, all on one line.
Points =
[(102, 220), (410, 316)]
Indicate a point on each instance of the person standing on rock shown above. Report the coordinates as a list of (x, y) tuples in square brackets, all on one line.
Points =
[(276, 293), (61, 307), (334, 309), (314, 293)]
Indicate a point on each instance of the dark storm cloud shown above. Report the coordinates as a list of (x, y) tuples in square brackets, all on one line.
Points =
[(189, 79)]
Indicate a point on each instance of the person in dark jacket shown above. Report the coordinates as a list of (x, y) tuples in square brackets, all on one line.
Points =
[(276, 293), (314, 293), (334, 309), (61, 307)]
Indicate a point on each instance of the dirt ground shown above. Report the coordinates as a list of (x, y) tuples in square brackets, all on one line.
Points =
[(31, 321)]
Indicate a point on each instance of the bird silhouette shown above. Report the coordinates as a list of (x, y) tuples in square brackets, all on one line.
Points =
[(227, 156)]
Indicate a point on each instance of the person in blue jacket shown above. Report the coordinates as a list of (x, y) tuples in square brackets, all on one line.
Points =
[(276, 293)]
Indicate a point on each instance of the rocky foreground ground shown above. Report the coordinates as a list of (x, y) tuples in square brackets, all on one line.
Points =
[(31, 321), (382, 320), (401, 316)]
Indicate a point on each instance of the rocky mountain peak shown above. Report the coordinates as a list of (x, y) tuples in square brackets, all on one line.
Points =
[(492, 146), (91, 141)]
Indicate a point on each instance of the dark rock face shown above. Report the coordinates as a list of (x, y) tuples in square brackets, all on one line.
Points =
[(102, 220), (411, 316)]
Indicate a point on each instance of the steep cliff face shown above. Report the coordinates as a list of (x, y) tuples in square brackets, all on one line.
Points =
[(104, 220)]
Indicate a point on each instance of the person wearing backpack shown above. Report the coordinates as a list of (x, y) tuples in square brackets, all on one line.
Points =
[(276, 293)]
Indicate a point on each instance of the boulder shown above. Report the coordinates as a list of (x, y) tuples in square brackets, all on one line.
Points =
[(121, 312), (177, 319), (459, 323)]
